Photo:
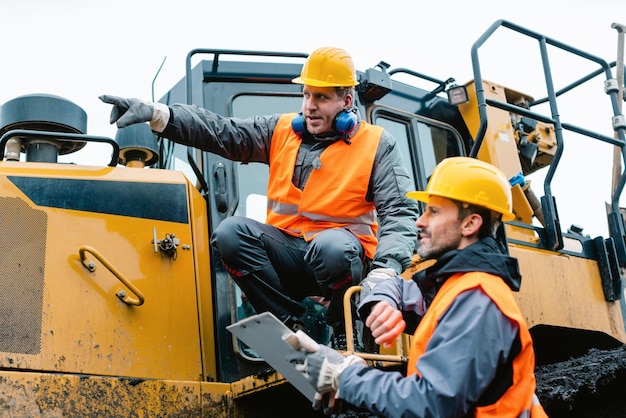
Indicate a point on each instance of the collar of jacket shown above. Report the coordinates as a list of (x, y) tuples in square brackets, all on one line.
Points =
[(485, 255)]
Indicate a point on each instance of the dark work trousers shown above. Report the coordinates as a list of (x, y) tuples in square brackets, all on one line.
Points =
[(277, 270)]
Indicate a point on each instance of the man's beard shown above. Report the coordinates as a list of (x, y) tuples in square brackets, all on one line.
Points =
[(434, 252)]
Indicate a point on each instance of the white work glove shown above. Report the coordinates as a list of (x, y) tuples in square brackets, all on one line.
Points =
[(130, 111), (322, 368), (373, 278)]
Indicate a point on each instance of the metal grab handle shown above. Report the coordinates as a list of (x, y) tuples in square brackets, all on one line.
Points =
[(347, 310), (138, 300)]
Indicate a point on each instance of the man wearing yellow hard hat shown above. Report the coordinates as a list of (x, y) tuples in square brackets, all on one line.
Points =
[(471, 353), (337, 205)]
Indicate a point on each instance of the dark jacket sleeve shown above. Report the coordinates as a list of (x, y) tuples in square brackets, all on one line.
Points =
[(397, 214), (245, 140), (453, 375)]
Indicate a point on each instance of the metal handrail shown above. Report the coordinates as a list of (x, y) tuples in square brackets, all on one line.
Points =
[(553, 240), (350, 333), (137, 300), (61, 136)]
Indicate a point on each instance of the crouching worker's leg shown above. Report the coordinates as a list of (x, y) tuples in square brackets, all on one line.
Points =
[(263, 261), (336, 257)]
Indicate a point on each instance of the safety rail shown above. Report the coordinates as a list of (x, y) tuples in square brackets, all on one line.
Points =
[(441, 84), (28, 133), (554, 239)]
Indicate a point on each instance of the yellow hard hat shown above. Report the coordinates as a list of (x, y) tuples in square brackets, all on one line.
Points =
[(472, 181), (328, 67)]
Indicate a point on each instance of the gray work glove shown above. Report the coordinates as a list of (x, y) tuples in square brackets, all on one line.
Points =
[(323, 369), (130, 111), (373, 278)]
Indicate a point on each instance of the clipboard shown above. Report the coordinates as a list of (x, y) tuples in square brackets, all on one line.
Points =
[(267, 335)]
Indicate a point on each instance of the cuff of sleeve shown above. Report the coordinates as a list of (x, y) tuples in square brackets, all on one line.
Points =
[(390, 263), (160, 117), (365, 306), (330, 373), (349, 361)]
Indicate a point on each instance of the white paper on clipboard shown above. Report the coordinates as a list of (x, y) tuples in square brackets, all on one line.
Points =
[(265, 334)]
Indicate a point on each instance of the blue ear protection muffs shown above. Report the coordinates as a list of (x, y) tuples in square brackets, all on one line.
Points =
[(345, 123), (298, 125)]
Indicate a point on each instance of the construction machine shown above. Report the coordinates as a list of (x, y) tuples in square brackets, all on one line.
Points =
[(113, 303)]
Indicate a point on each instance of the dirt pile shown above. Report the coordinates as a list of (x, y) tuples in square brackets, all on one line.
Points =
[(592, 385)]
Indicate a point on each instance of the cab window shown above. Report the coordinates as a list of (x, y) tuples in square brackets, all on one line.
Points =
[(423, 143)]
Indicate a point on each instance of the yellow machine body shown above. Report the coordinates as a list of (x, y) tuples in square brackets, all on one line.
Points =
[(69, 267)]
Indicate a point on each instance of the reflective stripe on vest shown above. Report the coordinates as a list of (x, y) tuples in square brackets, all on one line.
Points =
[(334, 195), (536, 410), (356, 229), (518, 397)]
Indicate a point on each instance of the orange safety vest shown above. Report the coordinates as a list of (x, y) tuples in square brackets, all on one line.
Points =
[(334, 195), (519, 400)]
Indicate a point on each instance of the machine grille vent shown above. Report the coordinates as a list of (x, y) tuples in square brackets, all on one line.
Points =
[(23, 252)]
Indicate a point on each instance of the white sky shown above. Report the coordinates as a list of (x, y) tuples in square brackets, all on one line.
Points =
[(80, 49)]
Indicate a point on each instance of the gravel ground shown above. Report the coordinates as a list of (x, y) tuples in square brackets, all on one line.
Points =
[(593, 385)]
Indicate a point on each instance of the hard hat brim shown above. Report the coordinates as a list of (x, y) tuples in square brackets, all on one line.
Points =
[(318, 83), (423, 196), (420, 196)]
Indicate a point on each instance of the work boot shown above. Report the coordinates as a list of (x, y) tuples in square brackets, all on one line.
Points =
[(295, 324), (339, 342)]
